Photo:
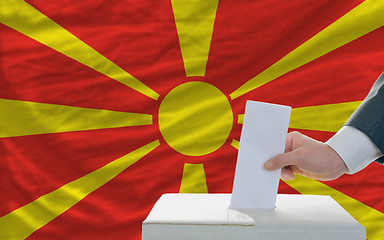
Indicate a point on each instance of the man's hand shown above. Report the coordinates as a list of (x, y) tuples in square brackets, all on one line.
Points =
[(308, 157)]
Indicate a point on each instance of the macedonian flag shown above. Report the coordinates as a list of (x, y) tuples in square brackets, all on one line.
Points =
[(107, 104)]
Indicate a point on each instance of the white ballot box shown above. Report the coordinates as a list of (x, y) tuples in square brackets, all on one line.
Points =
[(208, 217)]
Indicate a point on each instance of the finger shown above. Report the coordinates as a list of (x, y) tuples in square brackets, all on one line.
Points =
[(291, 138), (288, 144), (296, 170), (287, 174), (282, 160)]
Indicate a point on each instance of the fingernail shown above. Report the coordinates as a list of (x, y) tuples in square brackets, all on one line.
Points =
[(268, 165)]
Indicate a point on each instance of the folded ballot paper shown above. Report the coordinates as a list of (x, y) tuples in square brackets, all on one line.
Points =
[(254, 210)]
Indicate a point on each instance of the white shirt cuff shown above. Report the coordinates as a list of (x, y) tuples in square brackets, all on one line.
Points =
[(354, 147)]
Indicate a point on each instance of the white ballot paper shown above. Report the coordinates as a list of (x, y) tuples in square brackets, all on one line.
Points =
[(263, 136)]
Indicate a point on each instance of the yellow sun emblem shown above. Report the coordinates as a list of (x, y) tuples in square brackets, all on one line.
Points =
[(194, 118)]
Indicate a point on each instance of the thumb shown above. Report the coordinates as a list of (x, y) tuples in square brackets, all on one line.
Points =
[(281, 160)]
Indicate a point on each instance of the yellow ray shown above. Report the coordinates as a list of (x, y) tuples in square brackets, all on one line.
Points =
[(194, 22), (19, 118), (240, 118), (235, 144), (193, 180), (23, 221), (24, 18), (370, 218), (329, 117), (361, 20)]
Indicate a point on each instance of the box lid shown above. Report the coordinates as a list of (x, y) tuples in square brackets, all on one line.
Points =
[(296, 214)]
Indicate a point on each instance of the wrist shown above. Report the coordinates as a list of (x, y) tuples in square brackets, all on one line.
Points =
[(339, 166)]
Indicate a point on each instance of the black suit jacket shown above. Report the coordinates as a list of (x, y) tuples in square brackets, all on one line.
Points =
[(369, 116)]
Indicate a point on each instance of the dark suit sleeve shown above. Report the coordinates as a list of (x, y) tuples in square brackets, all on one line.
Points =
[(369, 116)]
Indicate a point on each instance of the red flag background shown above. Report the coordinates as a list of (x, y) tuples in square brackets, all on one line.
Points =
[(84, 153)]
